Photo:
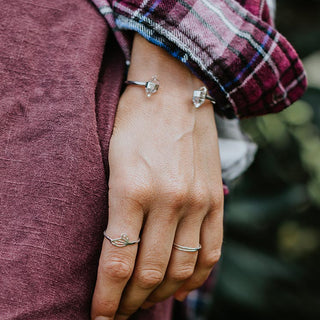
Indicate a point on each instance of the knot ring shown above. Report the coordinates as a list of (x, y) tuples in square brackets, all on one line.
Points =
[(121, 242)]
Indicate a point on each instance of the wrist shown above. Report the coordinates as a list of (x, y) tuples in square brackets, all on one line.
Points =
[(148, 60), (173, 100)]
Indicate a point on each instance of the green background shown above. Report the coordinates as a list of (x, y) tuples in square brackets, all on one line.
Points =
[(270, 266)]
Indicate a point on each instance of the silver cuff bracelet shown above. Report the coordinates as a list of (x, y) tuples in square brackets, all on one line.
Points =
[(152, 86)]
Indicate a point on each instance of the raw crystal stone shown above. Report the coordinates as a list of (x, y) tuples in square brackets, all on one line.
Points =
[(152, 86), (199, 96)]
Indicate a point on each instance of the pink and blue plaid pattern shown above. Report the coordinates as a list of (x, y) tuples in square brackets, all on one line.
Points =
[(248, 66)]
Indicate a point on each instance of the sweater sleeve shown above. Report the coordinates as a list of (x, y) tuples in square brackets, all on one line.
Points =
[(232, 46)]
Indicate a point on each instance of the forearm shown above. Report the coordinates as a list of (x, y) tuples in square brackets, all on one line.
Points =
[(148, 59)]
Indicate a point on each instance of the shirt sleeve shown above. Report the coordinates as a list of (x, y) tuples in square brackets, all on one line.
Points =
[(232, 46)]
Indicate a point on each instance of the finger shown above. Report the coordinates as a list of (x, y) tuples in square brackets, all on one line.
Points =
[(116, 263), (182, 264), (152, 261), (209, 254)]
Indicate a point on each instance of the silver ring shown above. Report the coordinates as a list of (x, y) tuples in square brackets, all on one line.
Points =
[(186, 249), (121, 242), (151, 86), (200, 95)]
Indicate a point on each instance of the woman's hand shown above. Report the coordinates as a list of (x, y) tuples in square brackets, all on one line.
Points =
[(165, 187)]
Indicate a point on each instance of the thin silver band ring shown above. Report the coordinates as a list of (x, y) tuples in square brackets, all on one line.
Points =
[(186, 249), (121, 242)]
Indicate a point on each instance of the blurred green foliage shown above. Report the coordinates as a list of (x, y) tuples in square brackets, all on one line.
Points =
[(299, 21), (271, 253), (271, 256)]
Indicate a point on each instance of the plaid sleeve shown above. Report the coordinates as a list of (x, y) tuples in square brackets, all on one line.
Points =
[(232, 46)]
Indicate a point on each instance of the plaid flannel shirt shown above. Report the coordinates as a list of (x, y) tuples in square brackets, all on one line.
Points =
[(231, 45)]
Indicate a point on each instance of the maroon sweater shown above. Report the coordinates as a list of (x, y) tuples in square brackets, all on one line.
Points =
[(61, 73)]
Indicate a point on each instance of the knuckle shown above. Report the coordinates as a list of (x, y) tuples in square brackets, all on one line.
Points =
[(181, 273), (135, 191), (106, 307), (126, 311), (149, 278), (216, 198), (197, 282), (129, 187), (176, 194), (117, 268), (211, 259), (200, 198)]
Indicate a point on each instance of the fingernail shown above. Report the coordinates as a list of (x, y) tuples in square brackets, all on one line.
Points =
[(147, 305), (181, 296), (102, 318)]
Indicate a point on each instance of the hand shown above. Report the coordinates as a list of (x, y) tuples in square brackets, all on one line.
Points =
[(165, 187)]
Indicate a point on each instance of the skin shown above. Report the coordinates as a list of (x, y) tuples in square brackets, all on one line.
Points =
[(165, 186)]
